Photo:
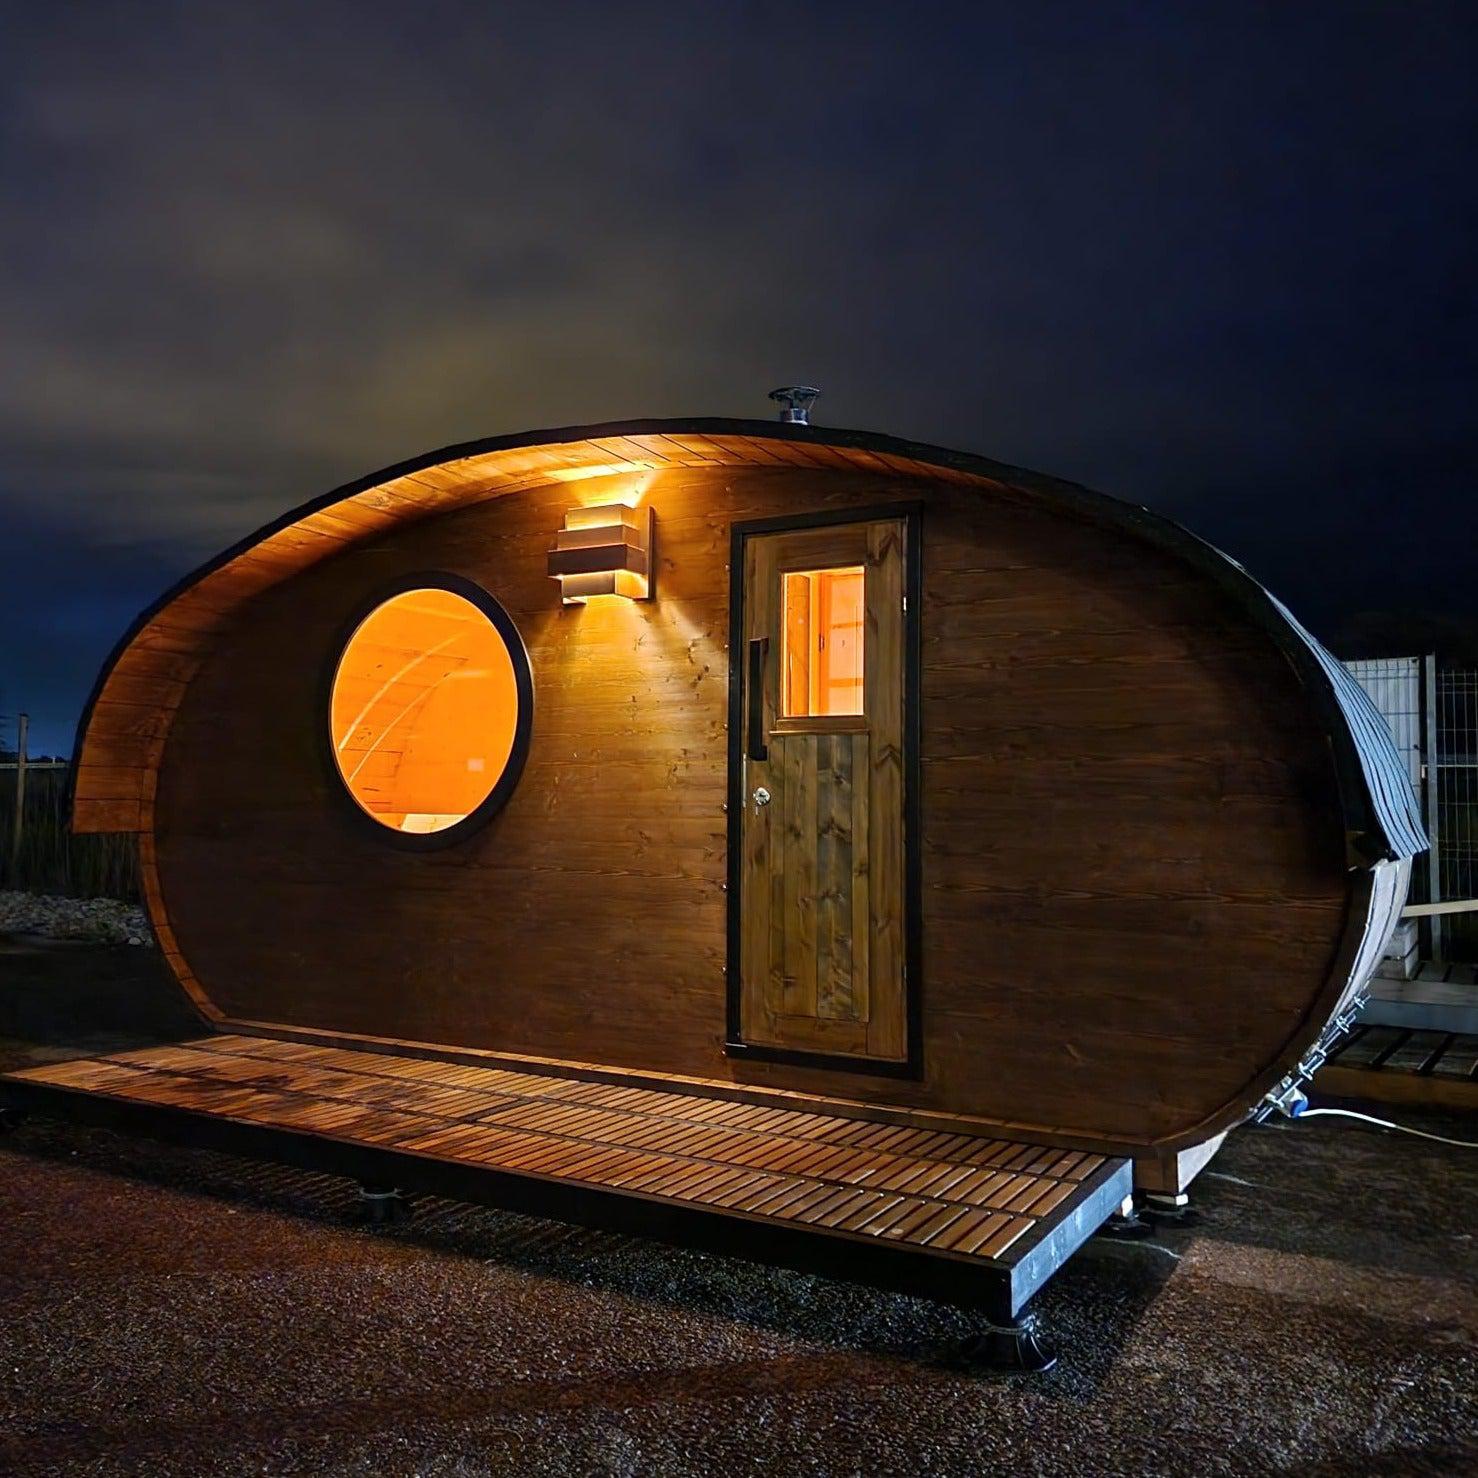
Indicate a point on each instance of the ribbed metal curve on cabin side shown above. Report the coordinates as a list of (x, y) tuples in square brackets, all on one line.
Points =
[(1392, 801)]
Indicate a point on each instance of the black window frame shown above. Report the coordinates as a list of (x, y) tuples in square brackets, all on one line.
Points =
[(489, 605)]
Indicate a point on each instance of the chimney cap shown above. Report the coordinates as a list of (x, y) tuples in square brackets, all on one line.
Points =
[(795, 402)]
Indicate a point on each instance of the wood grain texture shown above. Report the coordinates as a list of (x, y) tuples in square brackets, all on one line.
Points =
[(883, 660), (952, 1195), (133, 707), (830, 868), (1134, 883)]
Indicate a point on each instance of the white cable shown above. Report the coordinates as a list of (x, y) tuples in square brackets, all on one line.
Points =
[(1466, 1144)]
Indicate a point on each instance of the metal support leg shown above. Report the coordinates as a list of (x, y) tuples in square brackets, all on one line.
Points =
[(1014, 1346), (1125, 1225), (1169, 1211), (381, 1204)]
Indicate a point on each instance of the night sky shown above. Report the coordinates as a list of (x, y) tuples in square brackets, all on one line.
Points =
[(1218, 259)]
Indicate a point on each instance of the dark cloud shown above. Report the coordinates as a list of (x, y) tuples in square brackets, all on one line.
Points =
[(66, 598), (1213, 258)]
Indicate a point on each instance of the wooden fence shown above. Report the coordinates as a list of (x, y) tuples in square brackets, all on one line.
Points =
[(48, 858)]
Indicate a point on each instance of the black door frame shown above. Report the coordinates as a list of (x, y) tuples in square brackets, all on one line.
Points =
[(911, 1066)]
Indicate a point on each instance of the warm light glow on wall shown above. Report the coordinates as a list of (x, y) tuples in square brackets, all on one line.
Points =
[(603, 550), (599, 469)]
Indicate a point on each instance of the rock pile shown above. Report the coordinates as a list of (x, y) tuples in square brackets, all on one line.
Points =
[(105, 920)]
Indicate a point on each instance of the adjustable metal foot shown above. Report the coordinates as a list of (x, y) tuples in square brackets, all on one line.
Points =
[(1125, 1225), (1125, 1228), (11, 1119), (1169, 1211), (1014, 1346), (381, 1204)]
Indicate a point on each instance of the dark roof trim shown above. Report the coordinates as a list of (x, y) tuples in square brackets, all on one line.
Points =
[(1382, 820)]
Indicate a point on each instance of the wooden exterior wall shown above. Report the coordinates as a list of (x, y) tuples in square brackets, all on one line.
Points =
[(1135, 885)]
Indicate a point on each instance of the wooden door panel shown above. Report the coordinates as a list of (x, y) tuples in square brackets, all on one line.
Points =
[(821, 912), (793, 928), (841, 865)]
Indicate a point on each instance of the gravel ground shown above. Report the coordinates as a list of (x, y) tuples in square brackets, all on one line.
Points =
[(99, 920), (177, 1312)]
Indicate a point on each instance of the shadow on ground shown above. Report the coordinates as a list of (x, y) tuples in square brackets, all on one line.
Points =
[(63, 998), (184, 1312)]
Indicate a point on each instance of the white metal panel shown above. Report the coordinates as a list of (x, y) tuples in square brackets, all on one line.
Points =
[(1395, 687)]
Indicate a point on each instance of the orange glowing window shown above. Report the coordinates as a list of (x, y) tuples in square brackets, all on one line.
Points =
[(429, 706), (823, 642)]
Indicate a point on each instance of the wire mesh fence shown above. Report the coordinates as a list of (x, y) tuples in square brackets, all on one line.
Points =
[(1455, 759), (1431, 709), (1394, 685)]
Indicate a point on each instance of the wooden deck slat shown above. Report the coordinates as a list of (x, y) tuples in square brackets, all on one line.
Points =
[(1014, 1229), (981, 1235), (957, 1231), (1051, 1198), (951, 1193), (938, 1224), (741, 1190), (673, 1137), (776, 1123), (922, 1212)]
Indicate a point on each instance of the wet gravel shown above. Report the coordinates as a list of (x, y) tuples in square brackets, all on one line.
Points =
[(178, 1312)]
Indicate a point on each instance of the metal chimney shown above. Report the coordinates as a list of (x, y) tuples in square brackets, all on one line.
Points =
[(795, 402)]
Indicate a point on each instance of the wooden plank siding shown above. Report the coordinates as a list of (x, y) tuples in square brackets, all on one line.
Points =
[(131, 712), (1128, 804)]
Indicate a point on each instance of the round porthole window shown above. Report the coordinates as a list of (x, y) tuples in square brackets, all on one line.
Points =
[(430, 709)]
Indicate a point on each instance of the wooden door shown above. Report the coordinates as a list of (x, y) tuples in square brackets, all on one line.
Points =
[(824, 754)]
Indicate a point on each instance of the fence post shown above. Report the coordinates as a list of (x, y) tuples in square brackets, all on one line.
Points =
[(18, 824), (1431, 786)]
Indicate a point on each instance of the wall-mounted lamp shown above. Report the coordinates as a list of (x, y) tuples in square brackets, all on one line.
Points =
[(603, 551)]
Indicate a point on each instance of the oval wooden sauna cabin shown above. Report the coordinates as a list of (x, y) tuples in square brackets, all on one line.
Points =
[(829, 773)]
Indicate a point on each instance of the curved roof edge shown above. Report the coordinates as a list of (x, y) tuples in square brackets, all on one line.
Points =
[(1386, 781), (143, 678)]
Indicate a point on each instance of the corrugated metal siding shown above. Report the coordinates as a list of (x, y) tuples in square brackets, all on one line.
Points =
[(1393, 804), (1394, 685)]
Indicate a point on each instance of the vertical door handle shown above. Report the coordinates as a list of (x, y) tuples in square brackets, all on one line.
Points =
[(758, 749)]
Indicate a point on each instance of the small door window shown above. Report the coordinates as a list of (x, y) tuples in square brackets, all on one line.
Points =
[(823, 642)]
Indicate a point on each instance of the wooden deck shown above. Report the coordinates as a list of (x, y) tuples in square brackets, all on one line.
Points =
[(976, 1220), (1391, 1064)]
